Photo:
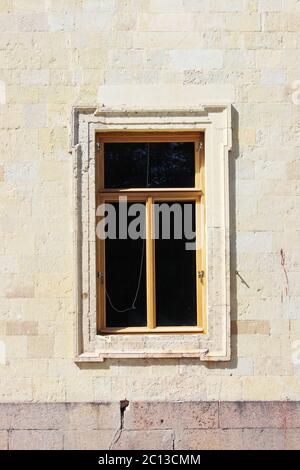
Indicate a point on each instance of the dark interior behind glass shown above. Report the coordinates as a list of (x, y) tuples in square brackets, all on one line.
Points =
[(152, 165), (175, 269), (125, 262)]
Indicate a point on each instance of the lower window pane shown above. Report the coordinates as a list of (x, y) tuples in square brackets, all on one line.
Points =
[(175, 265), (125, 279)]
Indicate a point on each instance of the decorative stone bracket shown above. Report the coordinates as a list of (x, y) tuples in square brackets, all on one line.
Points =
[(215, 121)]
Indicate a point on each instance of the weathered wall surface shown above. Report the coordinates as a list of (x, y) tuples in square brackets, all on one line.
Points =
[(150, 425), (55, 54)]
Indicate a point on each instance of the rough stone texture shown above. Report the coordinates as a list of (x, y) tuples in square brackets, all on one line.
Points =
[(252, 415), (88, 439), (25, 328), (293, 415), (250, 327), (34, 416), (3, 440), (292, 439), (55, 55), (147, 440), (232, 439), (151, 425), (83, 416), (149, 415), (35, 440)]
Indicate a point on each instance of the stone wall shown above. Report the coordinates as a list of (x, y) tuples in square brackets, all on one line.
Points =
[(151, 425), (55, 54)]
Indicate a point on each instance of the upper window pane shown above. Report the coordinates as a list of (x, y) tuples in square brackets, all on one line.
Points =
[(149, 165)]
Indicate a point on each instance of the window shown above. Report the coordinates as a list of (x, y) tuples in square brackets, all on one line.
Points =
[(99, 335), (150, 250)]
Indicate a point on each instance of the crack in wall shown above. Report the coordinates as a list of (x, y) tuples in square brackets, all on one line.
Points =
[(173, 440), (282, 262), (123, 406)]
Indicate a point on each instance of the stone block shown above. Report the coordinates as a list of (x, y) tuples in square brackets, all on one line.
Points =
[(35, 115), (196, 59), (88, 439), (20, 388), (36, 77), (49, 389), (292, 439), (109, 415), (33, 416), (242, 22), (210, 439), (144, 440), (273, 366), (275, 21), (252, 415), (263, 439), (257, 242), (250, 327), (149, 415), (3, 440), (168, 23), (82, 415), (25, 328), (80, 389), (293, 415), (272, 77), (40, 347), (270, 5), (35, 440), (263, 388), (30, 22), (231, 439)]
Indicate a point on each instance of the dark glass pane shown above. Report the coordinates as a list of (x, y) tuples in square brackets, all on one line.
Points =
[(152, 165), (125, 165), (172, 165), (125, 264), (175, 266)]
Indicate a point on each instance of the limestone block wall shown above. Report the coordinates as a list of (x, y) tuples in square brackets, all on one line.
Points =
[(55, 54)]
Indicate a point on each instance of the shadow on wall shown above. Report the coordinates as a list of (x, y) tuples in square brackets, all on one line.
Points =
[(233, 156)]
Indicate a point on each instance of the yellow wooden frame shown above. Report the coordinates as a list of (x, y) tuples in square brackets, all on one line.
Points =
[(150, 196)]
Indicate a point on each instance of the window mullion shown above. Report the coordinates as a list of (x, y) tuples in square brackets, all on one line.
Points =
[(199, 163), (150, 264), (100, 244), (199, 262)]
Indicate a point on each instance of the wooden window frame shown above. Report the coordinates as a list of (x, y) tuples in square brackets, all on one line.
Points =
[(150, 196)]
